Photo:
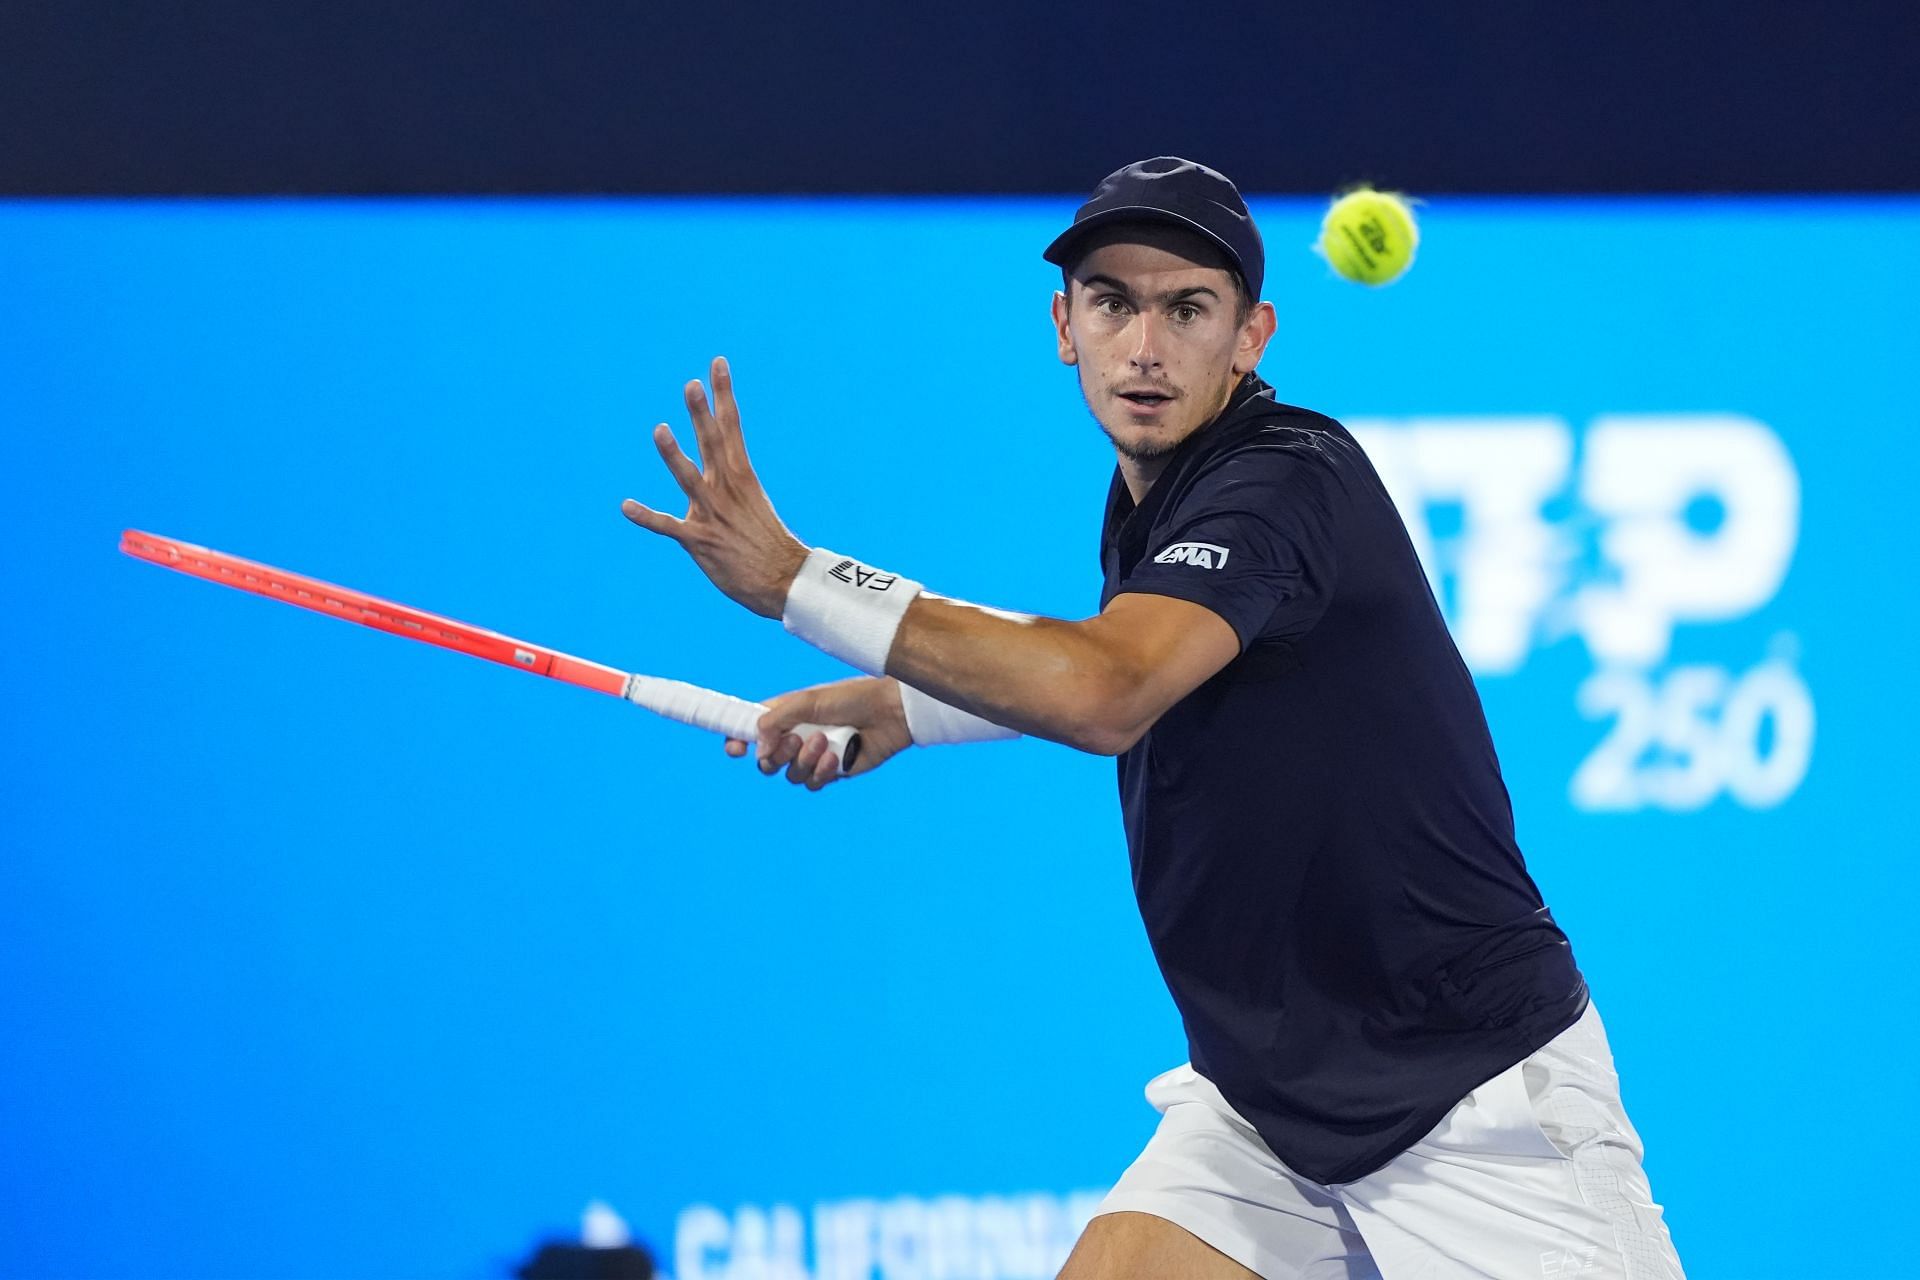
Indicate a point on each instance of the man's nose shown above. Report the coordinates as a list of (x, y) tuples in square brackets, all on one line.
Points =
[(1146, 349)]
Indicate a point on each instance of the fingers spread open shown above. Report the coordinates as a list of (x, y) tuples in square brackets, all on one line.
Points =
[(706, 430), (685, 473), (647, 518), (725, 407)]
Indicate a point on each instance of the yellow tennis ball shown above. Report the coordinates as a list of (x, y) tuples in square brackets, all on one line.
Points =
[(1369, 236)]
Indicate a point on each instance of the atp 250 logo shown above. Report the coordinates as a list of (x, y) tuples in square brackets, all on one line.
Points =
[(1619, 535)]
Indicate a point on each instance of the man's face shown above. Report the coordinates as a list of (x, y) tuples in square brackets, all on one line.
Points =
[(1152, 326)]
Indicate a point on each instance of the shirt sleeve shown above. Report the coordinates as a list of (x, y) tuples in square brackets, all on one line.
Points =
[(1253, 541)]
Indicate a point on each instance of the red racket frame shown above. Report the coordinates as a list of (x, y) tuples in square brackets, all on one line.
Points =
[(370, 611)]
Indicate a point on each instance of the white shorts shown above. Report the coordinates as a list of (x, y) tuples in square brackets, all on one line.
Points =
[(1536, 1173)]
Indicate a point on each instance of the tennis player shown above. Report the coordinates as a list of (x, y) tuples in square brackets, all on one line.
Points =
[(1395, 1067)]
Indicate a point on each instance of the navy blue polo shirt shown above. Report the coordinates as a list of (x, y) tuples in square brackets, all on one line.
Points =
[(1322, 846)]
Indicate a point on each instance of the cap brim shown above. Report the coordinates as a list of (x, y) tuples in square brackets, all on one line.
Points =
[(1062, 251)]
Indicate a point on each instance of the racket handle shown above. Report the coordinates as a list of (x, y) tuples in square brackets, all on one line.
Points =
[(734, 717)]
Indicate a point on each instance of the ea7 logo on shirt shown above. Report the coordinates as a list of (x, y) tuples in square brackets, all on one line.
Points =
[(1570, 1262), (855, 574), (1201, 555)]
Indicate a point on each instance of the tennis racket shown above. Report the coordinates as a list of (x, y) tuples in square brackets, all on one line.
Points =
[(674, 699)]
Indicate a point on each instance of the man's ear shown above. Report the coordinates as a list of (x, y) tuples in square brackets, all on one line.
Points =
[(1255, 334), (1061, 332)]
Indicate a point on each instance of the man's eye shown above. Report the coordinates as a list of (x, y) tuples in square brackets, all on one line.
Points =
[(1110, 306), (1186, 313)]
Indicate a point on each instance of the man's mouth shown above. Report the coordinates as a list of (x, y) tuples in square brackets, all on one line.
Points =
[(1145, 400)]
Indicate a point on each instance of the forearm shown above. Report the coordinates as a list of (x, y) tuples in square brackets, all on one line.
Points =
[(1096, 684), (1042, 676)]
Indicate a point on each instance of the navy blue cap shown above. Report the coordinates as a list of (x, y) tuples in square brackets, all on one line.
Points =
[(1169, 189)]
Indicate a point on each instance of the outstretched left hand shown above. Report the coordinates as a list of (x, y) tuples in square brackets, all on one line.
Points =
[(730, 528)]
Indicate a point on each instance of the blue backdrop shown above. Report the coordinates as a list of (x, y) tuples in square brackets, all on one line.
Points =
[(328, 955)]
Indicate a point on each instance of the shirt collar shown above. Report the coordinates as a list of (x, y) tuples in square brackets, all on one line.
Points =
[(1120, 505)]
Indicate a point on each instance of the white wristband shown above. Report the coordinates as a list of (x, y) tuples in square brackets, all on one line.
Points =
[(933, 723), (848, 609)]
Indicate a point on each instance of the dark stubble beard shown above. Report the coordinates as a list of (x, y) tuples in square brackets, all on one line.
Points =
[(1145, 451), (1150, 450)]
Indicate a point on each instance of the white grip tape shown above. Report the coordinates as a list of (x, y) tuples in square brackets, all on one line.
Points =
[(848, 609), (723, 714), (933, 723)]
